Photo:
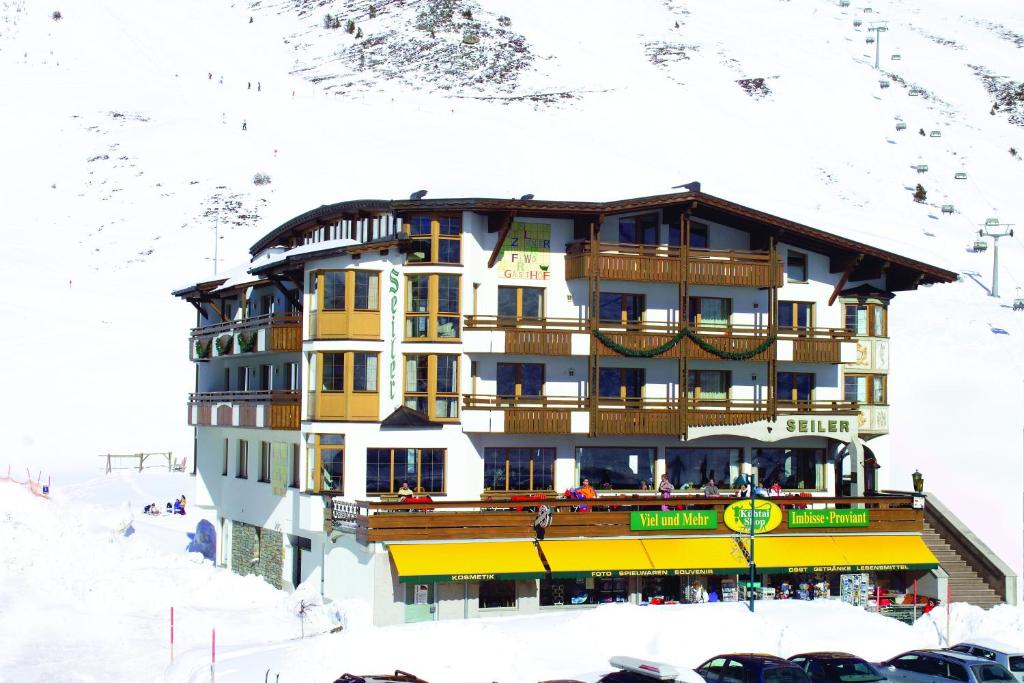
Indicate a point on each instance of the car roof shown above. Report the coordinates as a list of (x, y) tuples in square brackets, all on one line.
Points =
[(753, 657), (962, 657), (992, 644), (827, 655)]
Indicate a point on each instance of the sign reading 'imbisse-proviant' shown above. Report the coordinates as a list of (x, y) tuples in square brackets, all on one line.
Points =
[(675, 519), (802, 519)]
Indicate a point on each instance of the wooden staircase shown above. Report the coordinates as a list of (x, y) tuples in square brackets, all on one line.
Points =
[(965, 583)]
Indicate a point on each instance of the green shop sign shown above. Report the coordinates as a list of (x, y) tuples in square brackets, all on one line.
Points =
[(804, 519), (675, 519)]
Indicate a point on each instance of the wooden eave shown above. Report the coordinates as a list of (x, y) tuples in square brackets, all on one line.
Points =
[(322, 215), (296, 261), (199, 290)]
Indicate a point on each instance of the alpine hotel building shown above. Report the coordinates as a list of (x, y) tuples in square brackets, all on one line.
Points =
[(492, 354)]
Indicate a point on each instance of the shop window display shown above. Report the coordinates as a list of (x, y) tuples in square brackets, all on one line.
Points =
[(497, 594), (556, 592)]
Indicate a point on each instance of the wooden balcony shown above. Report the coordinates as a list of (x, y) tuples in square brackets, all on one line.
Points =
[(647, 416), (659, 263), (272, 409), (553, 337), (607, 516), (272, 333)]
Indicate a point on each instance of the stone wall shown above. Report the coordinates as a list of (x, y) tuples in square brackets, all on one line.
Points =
[(258, 551)]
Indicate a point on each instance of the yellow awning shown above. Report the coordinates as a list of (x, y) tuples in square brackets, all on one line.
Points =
[(420, 562), (886, 552), (586, 558), (695, 556), (784, 554)]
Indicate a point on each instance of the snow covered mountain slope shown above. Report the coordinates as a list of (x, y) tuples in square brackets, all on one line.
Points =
[(123, 148)]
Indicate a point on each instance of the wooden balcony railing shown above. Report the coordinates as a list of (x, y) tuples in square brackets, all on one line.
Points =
[(660, 263), (650, 416), (607, 516), (271, 409), (273, 332), (552, 337)]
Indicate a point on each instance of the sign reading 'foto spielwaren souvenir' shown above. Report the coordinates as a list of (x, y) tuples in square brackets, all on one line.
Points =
[(675, 519), (802, 519)]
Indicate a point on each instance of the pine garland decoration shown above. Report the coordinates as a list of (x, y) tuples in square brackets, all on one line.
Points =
[(203, 350), (678, 337), (246, 344), (224, 344)]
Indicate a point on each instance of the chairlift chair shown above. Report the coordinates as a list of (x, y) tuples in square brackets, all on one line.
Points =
[(948, 208), (991, 222), (980, 245), (914, 92), (900, 125), (884, 83), (959, 175), (935, 134), (922, 168), (896, 57), (869, 39), (844, 3), (857, 23), (1018, 301), (867, 10)]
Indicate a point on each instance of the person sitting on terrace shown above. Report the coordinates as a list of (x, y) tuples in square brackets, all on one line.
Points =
[(711, 489), (586, 490), (644, 486), (606, 485), (775, 489), (404, 490)]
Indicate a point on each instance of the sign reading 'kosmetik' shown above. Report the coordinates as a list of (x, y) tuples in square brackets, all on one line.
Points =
[(766, 516), (675, 519)]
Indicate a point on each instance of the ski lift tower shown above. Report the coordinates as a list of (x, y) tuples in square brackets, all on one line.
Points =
[(878, 27), (994, 229)]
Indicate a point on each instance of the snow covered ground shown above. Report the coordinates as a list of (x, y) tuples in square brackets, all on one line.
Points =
[(80, 601)]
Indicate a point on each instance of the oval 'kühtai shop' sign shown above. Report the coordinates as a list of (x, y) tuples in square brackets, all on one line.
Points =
[(766, 515)]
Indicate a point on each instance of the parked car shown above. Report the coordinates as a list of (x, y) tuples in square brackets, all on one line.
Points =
[(397, 677), (633, 670), (751, 668), (836, 667), (992, 650), (943, 666)]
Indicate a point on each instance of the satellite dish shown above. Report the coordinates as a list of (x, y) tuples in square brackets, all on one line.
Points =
[(419, 194), (526, 197)]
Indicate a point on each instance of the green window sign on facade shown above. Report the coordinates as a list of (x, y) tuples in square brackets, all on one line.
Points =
[(672, 520), (805, 519)]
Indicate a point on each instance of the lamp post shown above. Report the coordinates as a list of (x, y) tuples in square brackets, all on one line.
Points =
[(750, 586), (918, 481)]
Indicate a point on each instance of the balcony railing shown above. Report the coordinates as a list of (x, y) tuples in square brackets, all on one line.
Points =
[(553, 337), (273, 333), (606, 516), (270, 409), (660, 263), (649, 416)]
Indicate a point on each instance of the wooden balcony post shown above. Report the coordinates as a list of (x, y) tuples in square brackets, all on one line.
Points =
[(684, 320), (593, 371), (773, 306)]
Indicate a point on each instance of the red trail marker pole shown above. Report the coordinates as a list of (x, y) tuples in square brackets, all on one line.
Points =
[(213, 654)]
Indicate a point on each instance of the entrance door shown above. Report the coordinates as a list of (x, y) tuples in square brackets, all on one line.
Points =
[(419, 602)]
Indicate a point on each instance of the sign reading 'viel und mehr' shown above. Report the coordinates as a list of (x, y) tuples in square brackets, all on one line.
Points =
[(674, 519), (802, 519)]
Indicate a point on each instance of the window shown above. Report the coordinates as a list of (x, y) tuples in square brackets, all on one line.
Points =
[(364, 371), (621, 383), (519, 469), (698, 236), (334, 290), (291, 376), (330, 463), (497, 594), (520, 379), (266, 377), (616, 467), (567, 592), (1017, 664), (296, 468), (242, 378), (708, 311), (709, 385), (697, 466), (795, 386), (733, 672), (224, 470), (622, 308), (264, 472), (242, 471), (956, 672), (432, 385), (867, 320), (990, 672), (784, 674), (796, 266), (521, 302), (865, 389), (796, 315), (792, 468), (367, 290), (639, 229), (388, 468), (333, 371), (432, 306), (435, 239), (850, 671)]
